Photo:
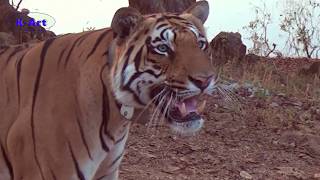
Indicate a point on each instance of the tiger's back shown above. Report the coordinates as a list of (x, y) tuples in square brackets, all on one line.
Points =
[(42, 82)]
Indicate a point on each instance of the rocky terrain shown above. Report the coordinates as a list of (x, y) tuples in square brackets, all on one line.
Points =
[(269, 129)]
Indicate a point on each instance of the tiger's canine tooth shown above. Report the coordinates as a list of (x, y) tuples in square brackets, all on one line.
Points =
[(201, 106), (183, 109)]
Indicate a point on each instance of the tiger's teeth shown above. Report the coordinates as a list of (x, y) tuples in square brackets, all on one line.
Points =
[(202, 106), (183, 109)]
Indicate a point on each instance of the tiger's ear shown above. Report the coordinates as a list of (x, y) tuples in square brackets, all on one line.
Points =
[(200, 10), (125, 21)]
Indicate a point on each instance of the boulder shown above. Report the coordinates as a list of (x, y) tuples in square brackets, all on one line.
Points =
[(156, 6), (227, 46)]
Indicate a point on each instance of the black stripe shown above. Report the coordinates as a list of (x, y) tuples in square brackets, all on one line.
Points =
[(53, 175), (70, 51), (175, 17), (76, 164), (100, 178), (84, 37), (100, 38), (138, 58), (160, 19), (128, 53), (16, 50), (46, 45), (120, 140), (136, 97), (172, 86), (149, 71), (105, 112), (174, 35), (61, 55), (152, 60), (163, 31), (127, 87), (161, 25), (187, 23), (134, 77), (83, 138), (137, 74), (109, 135), (101, 133), (6, 161), (106, 53), (116, 160), (80, 54), (4, 50), (18, 76), (157, 39)]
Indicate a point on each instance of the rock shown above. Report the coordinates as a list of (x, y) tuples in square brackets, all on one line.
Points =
[(245, 175), (148, 155), (317, 176), (170, 168), (156, 6), (274, 104), (227, 46)]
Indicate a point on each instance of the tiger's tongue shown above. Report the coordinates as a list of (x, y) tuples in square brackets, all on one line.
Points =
[(189, 106)]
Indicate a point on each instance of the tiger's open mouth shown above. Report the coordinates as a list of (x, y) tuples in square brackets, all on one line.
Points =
[(186, 110), (183, 114)]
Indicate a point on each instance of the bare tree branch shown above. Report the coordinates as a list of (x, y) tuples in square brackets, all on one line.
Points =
[(18, 5)]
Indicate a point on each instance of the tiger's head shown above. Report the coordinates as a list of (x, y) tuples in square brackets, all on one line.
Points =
[(164, 60)]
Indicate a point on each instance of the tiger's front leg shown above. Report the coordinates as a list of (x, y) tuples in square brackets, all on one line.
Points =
[(109, 167), (48, 157), (114, 175)]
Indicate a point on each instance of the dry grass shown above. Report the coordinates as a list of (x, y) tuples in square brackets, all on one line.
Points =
[(275, 78)]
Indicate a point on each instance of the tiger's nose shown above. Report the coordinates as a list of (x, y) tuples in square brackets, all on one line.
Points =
[(202, 82)]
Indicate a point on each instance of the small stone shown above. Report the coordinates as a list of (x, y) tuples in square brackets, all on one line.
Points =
[(317, 176), (274, 104), (148, 155), (245, 175)]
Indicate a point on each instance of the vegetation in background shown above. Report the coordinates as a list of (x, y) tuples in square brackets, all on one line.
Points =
[(299, 20), (258, 32)]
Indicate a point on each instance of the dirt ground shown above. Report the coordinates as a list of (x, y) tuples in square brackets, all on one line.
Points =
[(275, 137)]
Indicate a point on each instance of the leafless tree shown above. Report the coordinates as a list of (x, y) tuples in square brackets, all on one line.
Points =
[(300, 21), (258, 30)]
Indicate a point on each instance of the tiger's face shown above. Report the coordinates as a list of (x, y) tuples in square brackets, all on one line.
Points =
[(164, 60)]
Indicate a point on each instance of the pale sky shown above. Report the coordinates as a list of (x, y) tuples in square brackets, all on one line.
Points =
[(74, 15)]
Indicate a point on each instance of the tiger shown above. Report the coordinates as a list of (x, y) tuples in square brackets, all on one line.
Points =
[(67, 103)]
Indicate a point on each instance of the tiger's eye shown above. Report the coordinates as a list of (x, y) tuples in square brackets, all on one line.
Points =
[(201, 44), (163, 48)]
